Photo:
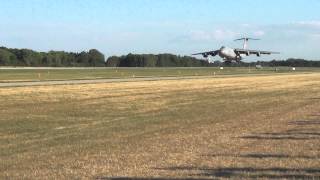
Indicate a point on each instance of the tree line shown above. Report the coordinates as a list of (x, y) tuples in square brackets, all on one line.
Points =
[(291, 62), (27, 57), (150, 60), (169, 60), (94, 58)]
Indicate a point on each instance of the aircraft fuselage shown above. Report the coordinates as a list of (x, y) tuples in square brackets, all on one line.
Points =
[(228, 54)]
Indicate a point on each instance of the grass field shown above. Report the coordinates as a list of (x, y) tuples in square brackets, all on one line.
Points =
[(9, 75), (233, 127)]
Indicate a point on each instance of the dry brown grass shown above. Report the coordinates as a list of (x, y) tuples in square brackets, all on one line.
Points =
[(238, 127)]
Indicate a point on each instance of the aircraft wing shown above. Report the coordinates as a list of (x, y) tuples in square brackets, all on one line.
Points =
[(256, 52), (208, 53)]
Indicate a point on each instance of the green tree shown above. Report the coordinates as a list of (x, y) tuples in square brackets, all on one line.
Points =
[(113, 61), (96, 58), (7, 58)]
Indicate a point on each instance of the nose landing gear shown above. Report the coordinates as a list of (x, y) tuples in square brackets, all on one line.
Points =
[(227, 62)]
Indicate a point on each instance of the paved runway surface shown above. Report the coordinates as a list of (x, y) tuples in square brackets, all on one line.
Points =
[(94, 81), (113, 80)]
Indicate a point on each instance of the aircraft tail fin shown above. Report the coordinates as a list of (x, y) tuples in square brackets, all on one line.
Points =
[(245, 41)]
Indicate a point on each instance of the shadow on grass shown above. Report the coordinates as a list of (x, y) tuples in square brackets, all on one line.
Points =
[(233, 173), (300, 132), (249, 172), (263, 156), (148, 178), (305, 122), (315, 98)]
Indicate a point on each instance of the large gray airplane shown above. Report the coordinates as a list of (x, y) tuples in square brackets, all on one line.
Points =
[(230, 54)]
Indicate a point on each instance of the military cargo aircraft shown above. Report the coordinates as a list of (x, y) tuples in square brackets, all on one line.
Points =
[(230, 54)]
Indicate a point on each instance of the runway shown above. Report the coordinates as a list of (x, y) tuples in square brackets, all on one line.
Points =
[(94, 81), (119, 80)]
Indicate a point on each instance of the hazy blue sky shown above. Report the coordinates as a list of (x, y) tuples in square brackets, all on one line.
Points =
[(118, 27)]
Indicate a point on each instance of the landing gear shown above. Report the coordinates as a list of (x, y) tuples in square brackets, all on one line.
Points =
[(227, 63), (208, 59), (238, 61)]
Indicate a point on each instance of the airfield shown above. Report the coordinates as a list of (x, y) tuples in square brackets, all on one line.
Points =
[(160, 123)]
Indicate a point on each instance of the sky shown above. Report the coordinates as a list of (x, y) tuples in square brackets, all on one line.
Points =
[(183, 27)]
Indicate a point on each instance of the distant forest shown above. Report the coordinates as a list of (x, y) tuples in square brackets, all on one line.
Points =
[(150, 60), (94, 58), (27, 57)]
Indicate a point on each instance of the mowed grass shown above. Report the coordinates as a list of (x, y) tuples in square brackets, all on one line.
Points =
[(233, 127), (9, 75)]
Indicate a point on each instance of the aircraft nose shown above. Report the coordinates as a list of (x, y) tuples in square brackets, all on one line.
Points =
[(222, 50)]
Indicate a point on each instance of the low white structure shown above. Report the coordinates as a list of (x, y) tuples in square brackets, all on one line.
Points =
[(258, 66)]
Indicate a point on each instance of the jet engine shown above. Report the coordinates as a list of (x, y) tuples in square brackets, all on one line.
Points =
[(238, 58)]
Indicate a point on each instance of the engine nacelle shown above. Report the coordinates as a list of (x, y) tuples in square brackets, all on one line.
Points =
[(258, 54), (247, 53), (205, 55)]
